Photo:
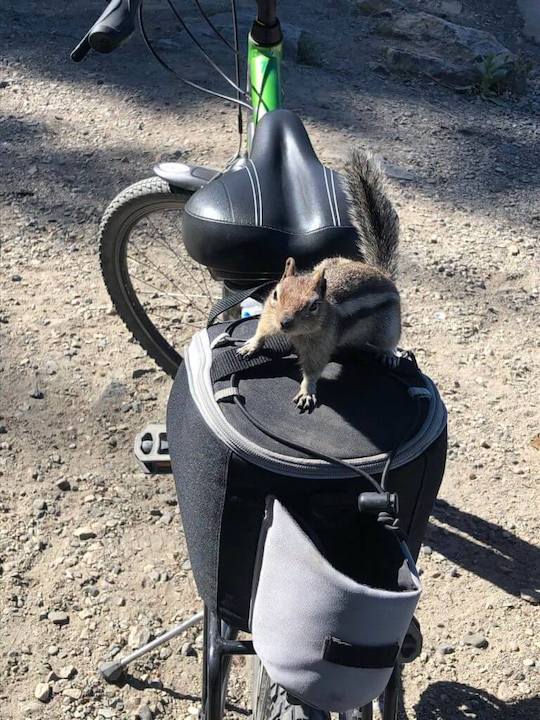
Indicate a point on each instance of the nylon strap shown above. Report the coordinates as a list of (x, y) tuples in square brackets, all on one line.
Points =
[(374, 657), (229, 361), (235, 298)]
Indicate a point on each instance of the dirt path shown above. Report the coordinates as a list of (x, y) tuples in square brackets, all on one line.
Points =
[(70, 138)]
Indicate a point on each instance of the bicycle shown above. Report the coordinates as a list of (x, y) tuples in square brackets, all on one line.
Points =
[(138, 234), (274, 200)]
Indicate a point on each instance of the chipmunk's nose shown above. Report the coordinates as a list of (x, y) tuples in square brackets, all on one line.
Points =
[(287, 322)]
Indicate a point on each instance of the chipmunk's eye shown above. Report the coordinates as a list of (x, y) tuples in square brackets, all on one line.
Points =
[(274, 296), (314, 306)]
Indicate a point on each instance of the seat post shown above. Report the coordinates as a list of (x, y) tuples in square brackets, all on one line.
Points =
[(266, 12), (266, 30)]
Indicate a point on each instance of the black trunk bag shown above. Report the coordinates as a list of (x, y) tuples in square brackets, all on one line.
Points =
[(225, 465)]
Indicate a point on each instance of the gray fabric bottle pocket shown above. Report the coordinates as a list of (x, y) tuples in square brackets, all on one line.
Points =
[(327, 638)]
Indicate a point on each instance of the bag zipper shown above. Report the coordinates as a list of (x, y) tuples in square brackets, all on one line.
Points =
[(198, 361)]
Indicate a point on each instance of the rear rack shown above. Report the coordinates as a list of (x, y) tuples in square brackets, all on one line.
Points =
[(151, 449)]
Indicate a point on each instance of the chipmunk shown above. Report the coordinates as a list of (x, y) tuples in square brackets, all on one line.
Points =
[(341, 303)]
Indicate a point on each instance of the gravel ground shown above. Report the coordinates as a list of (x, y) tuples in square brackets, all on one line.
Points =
[(92, 555)]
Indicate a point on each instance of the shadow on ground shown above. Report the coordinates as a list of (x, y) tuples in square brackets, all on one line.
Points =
[(494, 156), (484, 548), (454, 701)]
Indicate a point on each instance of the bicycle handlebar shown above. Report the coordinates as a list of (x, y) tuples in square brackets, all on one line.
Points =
[(114, 26)]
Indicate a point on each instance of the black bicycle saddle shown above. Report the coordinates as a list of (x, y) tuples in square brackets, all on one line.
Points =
[(280, 202)]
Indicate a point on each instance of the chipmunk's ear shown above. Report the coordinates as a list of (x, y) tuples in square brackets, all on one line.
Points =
[(290, 268), (319, 282)]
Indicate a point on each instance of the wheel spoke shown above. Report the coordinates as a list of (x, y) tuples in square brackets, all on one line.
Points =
[(195, 326), (179, 257), (163, 292), (187, 297)]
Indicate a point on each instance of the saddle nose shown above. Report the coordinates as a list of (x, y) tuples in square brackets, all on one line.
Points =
[(287, 322)]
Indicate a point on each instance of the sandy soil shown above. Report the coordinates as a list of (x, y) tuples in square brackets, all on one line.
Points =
[(71, 138)]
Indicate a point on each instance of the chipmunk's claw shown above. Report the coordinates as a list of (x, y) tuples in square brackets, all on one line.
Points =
[(248, 349), (305, 402)]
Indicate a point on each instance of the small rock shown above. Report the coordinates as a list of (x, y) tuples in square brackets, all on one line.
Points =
[(73, 693), (476, 640), (114, 394), (67, 672), (58, 618), (426, 550), (445, 649), (139, 372), (529, 663), (32, 709), (16, 278), (139, 636), (37, 394), (52, 650), (144, 713), (399, 173), (106, 712), (84, 533), (39, 505), (63, 484), (505, 692), (188, 650), (43, 692), (530, 595)]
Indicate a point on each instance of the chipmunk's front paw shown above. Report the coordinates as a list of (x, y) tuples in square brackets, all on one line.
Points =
[(305, 401), (249, 348)]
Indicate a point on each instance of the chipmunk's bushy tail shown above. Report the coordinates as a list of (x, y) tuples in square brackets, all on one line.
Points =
[(372, 213)]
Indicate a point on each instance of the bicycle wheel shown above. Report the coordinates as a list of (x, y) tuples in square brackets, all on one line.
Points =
[(271, 702), (161, 294)]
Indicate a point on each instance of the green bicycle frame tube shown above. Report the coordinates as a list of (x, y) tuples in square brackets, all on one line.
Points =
[(264, 69)]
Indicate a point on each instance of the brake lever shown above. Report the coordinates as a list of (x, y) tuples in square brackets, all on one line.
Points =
[(81, 50), (113, 27)]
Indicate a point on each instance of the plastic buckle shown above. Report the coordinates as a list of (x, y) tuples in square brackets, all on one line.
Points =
[(222, 339), (151, 449)]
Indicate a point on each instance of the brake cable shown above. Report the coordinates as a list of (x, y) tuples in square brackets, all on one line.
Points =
[(203, 51), (237, 68), (167, 67), (214, 28), (298, 446)]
